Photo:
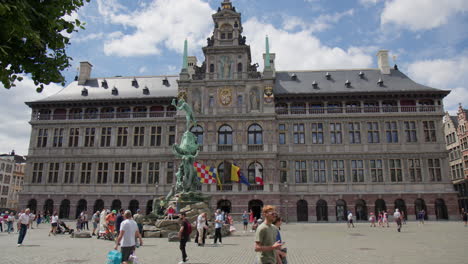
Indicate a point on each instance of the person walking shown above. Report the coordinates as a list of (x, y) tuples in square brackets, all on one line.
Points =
[(126, 239), (201, 229), (184, 236), (138, 217), (265, 237), (464, 216), (372, 220), (421, 215), (282, 252), (245, 220), (350, 219), (38, 219), (385, 219), (110, 221), (32, 217), (10, 222), (95, 219), (54, 224), (397, 218), (85, 220), (119, 220), (23, 224), (219, 221)]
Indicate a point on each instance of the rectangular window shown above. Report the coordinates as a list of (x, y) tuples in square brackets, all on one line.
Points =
[(376, 170), (338, 170), (435, 173), (138, 136), (282, 134), (73, 137), (391, 131), (414, 166), (410, 131), (122, 134), (170, 173), (90, 132), (395, 170), (319, 171), (317, 133), (153, 172), (69, 173), (373, 132), (136, 173), (299, 135), (283, 171), (354, 130), (171, 135), (58, 137), (102, 172), (85, 173), (155, 137), (37, 172), (42, 137), (211, 100), (429, 131), (53, 172), (5, 190), (335, 133), (106, 133), (119, 172), (357, 167), (301, 171)]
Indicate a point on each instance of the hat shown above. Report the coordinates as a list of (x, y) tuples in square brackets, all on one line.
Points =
[(114, 211)]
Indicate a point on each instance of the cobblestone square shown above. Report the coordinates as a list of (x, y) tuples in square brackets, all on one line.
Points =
[(435, 242)]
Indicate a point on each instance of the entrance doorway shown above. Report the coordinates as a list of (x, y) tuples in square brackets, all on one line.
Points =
[(48, 207), (380, 206), (116, 205), (341, 210), (225, 206), (133, 206), (420, 205), (98, 205), (82, 206), (64, 211), (401, 206), (302, 211), (361, 210), (322, 210), (441, 210), (256, 207)]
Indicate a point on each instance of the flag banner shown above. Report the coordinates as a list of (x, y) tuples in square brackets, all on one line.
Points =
[(235, 173), (206, 174), (258, 174), (243, 179)]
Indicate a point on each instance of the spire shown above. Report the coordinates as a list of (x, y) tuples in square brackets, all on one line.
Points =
[(185, 61), (267, 56)]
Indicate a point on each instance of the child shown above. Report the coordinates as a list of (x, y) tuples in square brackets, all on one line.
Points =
[(372, 220)]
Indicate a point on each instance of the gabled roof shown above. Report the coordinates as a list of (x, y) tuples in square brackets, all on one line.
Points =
[(123, 85), (454, 120), (360, 80)]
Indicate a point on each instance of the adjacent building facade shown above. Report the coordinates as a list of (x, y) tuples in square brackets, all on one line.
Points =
[(11, 179), (324, 141)]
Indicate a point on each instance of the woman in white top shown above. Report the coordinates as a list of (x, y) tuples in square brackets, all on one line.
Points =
[(201, 227), (54, 223)]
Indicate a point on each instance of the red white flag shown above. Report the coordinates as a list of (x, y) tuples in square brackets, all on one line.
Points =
[(258, 174)]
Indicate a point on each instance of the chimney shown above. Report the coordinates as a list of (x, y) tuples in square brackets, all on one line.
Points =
[(382, 61), (85, 72)]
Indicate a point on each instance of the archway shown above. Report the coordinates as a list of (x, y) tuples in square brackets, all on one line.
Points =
[(256, 207), (401, 206), (380, 206), (98, 205), (116, 205), (82, 206), (133, 206), (441, 210), (48, 207), (322, 210), (224, 205), (64, 211), (32, 205), (361, 210), (420, 205), (302, 211), (341, 210), (149, 207)]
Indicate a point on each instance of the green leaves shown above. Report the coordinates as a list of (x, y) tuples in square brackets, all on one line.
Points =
[(31, 40)]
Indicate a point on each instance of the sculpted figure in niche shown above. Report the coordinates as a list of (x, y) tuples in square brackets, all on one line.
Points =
[(196, 101), (225, 65), (254, 100)]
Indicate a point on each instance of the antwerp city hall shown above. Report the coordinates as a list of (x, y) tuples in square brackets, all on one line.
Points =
[(326, 141)]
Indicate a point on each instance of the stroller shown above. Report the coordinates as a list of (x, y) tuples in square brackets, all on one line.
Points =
[(106, 234), (62, 228)]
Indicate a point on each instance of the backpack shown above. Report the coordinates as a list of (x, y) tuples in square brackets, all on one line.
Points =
[(189, 229)]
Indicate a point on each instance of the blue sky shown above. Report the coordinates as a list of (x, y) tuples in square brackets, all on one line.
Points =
[(145, 37)]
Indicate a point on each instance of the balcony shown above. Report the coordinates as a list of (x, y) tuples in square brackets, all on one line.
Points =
[(358, 110), (255, 188), (224, 188), (255, 147), (224, 148)]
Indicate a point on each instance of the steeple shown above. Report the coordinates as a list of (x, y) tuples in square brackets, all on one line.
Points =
[(267, 57), (184, 75)]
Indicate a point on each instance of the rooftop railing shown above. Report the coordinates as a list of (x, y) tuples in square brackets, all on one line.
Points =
[(111, 115), (354, 109)]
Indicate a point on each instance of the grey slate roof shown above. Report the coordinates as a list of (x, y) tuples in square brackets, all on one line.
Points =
[(454, 120), (124, 87), (396, 81)]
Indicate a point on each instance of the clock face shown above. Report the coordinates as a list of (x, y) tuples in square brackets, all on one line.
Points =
[(225, 96)]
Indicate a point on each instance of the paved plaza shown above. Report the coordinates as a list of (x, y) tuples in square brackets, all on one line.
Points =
[(435, 242)]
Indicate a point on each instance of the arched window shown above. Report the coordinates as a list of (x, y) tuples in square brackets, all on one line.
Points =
[(32, 205), (60, 114), (211, 67), (116, 205), (98, 205), (123, 112), (254, 170), (157, 111), (171, 111), (256, 207), (322, 210), (302, 211), (82, 206), (49, 206), (225, 135), (224, 179), (441, 210), (44, 114), (133, 206), (64, 211), (341, 210), (380, 206), (255, 135), (139, 111), (361, 210), (107, 112), (75, 113), (91, 113), (239, 67), (198, 132)]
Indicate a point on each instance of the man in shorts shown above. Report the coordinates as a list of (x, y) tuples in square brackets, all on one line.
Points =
[(265, 237), (397, 217), (245, 220), (127, 234)]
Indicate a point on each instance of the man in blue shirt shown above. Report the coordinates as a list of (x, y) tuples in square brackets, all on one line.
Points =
[(219, 221)]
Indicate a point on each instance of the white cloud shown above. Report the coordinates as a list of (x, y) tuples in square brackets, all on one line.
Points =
[(321, 23), (88, 37), (301, 50), (171, 68), (162, 24), (444, 74), (14, 126), (421, 14), (142, 69), (369, 2)]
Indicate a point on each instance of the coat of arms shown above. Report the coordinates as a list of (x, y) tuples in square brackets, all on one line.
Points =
[(268, 95), (225, 96)]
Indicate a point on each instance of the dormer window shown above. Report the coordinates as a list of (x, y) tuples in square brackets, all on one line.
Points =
[(328, 76), (380, 82), (361, 75), (348, 84), (314, 85), (84, 92), (293, 77), (135, 83), (115, 91), (223, 35), (104, 84), (165, 82), (146, 91)]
